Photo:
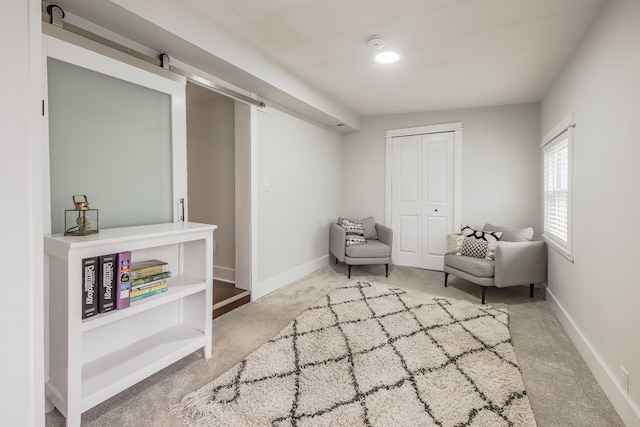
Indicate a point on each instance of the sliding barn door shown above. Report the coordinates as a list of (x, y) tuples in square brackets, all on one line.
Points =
[(423, 198)]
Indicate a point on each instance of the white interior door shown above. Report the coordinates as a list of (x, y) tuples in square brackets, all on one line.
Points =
[(422, 189), (437, 196), (407, 203)]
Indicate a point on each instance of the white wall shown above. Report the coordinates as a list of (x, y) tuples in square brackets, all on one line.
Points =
[(500, 174), (598, 296), (303, 165), (211, 176), (21, 317)]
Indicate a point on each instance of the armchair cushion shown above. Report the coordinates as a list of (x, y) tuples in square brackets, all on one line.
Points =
[(478, 267), (373, 249), (511, 234)]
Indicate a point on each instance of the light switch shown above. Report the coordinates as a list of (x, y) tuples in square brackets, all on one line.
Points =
[(267, 186)]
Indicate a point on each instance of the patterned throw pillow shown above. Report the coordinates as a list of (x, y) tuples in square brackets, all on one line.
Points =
[(475, 248), (354, 232), (470, 246), (489, 236)]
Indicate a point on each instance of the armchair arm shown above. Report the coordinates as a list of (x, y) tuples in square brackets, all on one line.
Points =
[(337, 237), (520, 263), (385, 234)]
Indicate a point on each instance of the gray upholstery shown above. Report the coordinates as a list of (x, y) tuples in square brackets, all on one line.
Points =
[(479, 267), (511, 234), (375, 251), (519, 261), (372, 249)]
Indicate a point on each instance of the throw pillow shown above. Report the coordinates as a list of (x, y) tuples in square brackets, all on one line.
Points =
[(475, 248), (369, 223), (454, 241), (470, 246), (489, 236), (478, 248), (354, 232)]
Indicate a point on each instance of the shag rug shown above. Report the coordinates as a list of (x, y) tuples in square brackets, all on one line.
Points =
[(371, 355)]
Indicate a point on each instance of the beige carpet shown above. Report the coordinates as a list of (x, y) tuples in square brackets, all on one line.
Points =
[(370, 354)]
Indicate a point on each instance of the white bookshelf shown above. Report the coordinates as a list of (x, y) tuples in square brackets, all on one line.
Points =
[(91, 360)]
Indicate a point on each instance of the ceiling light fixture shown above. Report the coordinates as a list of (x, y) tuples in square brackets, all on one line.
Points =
[(387, 57)]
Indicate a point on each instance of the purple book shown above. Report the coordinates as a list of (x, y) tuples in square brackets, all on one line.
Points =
[(123, 280)]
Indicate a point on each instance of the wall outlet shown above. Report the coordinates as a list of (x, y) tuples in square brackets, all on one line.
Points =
[(624, 379)]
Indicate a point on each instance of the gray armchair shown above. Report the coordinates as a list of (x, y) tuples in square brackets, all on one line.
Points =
[(519, 261), (377, 250)]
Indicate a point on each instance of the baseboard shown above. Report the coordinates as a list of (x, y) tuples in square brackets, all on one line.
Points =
[(627, 410), (224, 274), (287, 277)]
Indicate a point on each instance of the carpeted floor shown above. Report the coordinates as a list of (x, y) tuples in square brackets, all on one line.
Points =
[(560, 387)]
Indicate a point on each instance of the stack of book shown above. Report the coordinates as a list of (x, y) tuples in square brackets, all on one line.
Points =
[(148, 278)]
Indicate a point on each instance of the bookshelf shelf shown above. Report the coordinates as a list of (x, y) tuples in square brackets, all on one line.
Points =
[(93, 359), (177, 288), (105, 377)]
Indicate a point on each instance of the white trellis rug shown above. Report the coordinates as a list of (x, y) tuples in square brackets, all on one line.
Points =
[(371, 355)]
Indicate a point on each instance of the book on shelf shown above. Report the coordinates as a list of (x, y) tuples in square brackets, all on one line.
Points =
[(148, 268), (89, 287), (107, 283), (148, 285), (148, 279), (137, 292), (149, 294), (123, 280)]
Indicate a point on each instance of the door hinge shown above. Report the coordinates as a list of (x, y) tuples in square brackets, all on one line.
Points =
[(43, 108)]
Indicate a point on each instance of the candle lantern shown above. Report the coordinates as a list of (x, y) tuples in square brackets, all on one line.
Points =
[(80, 221)]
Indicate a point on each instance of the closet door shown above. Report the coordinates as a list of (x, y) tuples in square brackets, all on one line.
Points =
[(117, 134), (422, 192), (437, 197), (407, 201)]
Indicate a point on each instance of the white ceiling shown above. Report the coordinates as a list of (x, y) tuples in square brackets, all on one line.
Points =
[(454, 53), (312, 56)]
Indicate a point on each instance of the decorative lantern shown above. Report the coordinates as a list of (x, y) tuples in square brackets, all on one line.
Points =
[(80, 221)]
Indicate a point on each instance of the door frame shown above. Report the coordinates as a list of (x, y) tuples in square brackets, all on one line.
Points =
[(456, 128)]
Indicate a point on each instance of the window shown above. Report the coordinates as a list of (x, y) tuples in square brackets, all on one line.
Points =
[(557, 160)]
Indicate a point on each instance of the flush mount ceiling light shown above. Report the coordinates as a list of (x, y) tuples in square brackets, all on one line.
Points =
[(387, 57)]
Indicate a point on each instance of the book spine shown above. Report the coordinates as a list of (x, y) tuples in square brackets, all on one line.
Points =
[(89, 287), (149, 294), (161, 284), (149, 271), (148, 279), (107, 283), (123, 280), (148, 285)]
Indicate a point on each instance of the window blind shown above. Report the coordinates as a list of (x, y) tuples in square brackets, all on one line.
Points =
[(556, 189)]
